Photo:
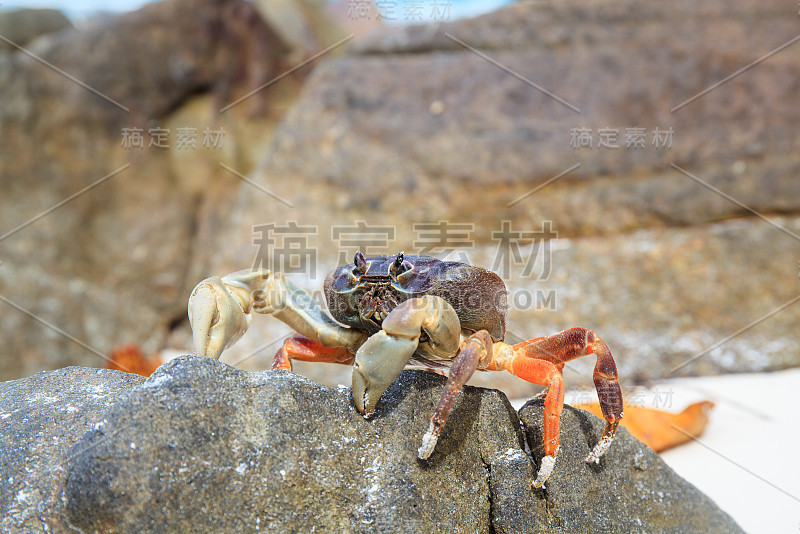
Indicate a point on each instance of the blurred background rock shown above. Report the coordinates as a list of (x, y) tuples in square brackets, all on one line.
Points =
[(450, 132)]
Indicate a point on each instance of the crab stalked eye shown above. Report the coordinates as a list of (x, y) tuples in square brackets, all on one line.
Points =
[(401, 269), (360, 262), (398, 265)]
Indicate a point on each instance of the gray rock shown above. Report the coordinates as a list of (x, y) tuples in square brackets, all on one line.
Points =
[(21, 26), (631, 490), (78, 260), (459, 119), (41, 419), (201, 446)]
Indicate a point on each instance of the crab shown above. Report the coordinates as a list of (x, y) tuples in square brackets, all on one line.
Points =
[(390, 312)]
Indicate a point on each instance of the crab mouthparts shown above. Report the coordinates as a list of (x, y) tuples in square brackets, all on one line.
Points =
[(376, 304)]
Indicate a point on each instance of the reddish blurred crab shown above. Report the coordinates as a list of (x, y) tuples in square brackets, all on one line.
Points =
[(389, 312)]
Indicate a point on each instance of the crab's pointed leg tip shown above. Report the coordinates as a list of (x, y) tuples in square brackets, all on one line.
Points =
[(428, 442), (599, 449), (548, 462)]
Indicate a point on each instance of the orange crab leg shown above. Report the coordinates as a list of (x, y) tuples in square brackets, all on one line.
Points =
[(574, 343), (518, 346), (537, 371), (301, 348), (546, 374), (541, 361)]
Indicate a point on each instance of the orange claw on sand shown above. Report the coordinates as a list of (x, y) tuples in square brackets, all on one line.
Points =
[(657, 428)]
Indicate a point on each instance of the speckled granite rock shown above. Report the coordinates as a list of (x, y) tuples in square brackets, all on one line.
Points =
[(631, 490), (41, 418), (201, 446)]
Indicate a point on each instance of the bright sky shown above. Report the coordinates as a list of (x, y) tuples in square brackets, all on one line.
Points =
[(78, 9)]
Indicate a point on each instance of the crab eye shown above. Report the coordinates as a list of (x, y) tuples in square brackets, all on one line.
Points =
[(360, 263), (401, 268), (398, 265)]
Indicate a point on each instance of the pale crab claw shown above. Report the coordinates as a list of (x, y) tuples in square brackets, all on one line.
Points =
[(376, 367), (219, 313)]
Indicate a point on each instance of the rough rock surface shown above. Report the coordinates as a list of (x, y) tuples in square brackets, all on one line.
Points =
[(440, 114), (96, 239), (22, 26), (200, 446), (41, 418)]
